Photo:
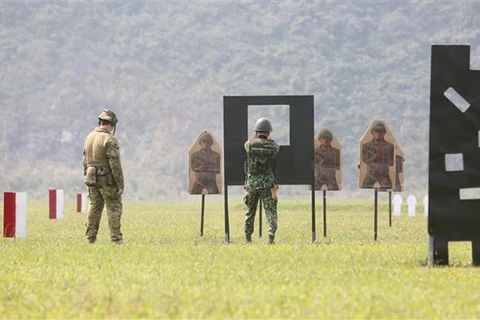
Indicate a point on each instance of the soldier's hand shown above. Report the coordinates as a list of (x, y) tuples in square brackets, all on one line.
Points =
[(274, 191), (120, 192)]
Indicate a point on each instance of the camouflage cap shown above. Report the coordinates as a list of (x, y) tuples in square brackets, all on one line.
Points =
[(108, 115)]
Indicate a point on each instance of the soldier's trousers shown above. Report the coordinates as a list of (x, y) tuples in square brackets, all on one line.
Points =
[(198, 187), (383, 180), (269, 203), (100, 196)]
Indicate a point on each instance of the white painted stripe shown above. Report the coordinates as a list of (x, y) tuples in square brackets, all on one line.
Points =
[(469, 193), (60, 203), (84, 202), (21, 215), (457, 100)]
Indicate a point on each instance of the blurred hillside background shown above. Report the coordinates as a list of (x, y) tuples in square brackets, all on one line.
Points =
[(164, 67)]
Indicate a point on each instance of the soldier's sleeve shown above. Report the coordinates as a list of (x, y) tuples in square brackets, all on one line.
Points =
[(113, 155), (316, 153), (368, 155), (337, 159), (364, 152), (391, 155), (217, 162), (195, 162), (276, 148), (84, 163), (84, 160), (247, 146)]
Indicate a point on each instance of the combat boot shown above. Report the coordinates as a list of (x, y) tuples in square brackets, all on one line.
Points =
[(271, 239)]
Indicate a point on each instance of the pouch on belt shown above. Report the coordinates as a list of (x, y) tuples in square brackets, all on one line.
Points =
[(91, 177)]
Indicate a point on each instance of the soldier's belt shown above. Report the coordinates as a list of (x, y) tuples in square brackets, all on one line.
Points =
[(102, 170)]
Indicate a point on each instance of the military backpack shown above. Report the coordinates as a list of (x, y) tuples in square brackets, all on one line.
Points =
[(260, 158)]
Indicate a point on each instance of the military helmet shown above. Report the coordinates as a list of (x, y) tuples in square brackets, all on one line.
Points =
[(108, 115), (205, 137), (263, 124), (326, 134), (379, 127)]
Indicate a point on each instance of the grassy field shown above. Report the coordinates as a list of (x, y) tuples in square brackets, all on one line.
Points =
[(165, 269)]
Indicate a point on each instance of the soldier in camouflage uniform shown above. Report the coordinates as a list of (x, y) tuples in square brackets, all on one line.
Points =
[(260, 181), (327, 162), (206, 165), (378, 154), (104, 177)]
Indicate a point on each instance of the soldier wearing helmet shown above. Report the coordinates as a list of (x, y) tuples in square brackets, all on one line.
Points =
[(260, 178), (109, 116), (327, 162), (378, 154), (206, 165), (326, 134), (104, 177)]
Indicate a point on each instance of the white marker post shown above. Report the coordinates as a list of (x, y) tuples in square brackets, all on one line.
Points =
[(412, 202), (397, 205)]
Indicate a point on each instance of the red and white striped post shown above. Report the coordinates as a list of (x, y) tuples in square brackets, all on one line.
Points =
[(56, 203), (81, 202), (14, 214)]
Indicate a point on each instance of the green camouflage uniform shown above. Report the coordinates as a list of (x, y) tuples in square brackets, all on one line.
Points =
[(379, 157), (101, 150), (260, 181), (206, 165), (327, 162)]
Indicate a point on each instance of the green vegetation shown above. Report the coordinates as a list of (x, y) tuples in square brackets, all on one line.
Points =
[(166, 270)]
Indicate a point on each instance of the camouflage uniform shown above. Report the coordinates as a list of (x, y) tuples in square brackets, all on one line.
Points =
[(327, 162), (206, 165), (378, 155), (101, 150), (260, 183)]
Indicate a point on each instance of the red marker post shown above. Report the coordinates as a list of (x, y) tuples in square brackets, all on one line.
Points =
[(15, 215), (56, 203), (81, 202)]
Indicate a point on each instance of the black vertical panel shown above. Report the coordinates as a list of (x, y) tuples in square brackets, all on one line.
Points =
[(299, 170), (453, 132), (294, 162), (235, 127)]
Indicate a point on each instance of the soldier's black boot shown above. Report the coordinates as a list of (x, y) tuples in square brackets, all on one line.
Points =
[(248, 238), (271, 239)]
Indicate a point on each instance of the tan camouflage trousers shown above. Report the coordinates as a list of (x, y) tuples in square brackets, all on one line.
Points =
[(100, 196), (269, 203)]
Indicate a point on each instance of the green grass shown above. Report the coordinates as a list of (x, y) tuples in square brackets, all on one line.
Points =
[(165, 269)]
